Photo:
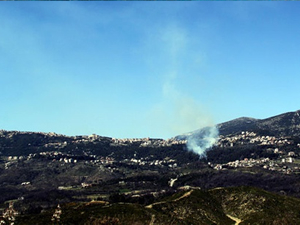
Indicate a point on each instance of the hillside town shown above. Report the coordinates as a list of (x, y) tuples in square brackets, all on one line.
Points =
[(148, 142), (285, 165), (246, 137), (276, 145), (284, 148), (64, 159), (142, 142)]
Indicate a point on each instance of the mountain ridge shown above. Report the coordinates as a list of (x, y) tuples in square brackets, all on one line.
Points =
[(285, 124), (290, 121)]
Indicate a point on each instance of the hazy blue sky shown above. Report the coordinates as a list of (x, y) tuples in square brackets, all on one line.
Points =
[(145, 69)]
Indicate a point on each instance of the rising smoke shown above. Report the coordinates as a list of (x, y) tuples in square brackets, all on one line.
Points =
[(178, 111), (202, 140)]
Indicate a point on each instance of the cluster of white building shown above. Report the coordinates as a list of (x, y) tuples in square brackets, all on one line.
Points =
[(9, 215), (56, 144), (56, 215), (279, 165), (251, 137), (162, 143), (57, 156), (128, 140), (147, 142), (10, 134), (248, 162), (171, 163)]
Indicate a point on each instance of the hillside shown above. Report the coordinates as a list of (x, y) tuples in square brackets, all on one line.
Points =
[(39, 170), (255, 206), (286, 124), (241, 205)]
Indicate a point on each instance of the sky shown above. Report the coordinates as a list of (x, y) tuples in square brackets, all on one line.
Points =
[(145, 69)]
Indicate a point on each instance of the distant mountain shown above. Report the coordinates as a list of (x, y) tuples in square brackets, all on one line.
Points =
[(286, 124)]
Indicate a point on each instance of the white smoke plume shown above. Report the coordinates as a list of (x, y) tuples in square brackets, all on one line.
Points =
[(202, 140), (179, 111)]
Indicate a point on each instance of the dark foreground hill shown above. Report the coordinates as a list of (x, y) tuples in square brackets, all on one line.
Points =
[(236, 205)]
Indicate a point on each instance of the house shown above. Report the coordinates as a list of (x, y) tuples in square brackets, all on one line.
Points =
[(291, 154), (290, 160), (84, 185)]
